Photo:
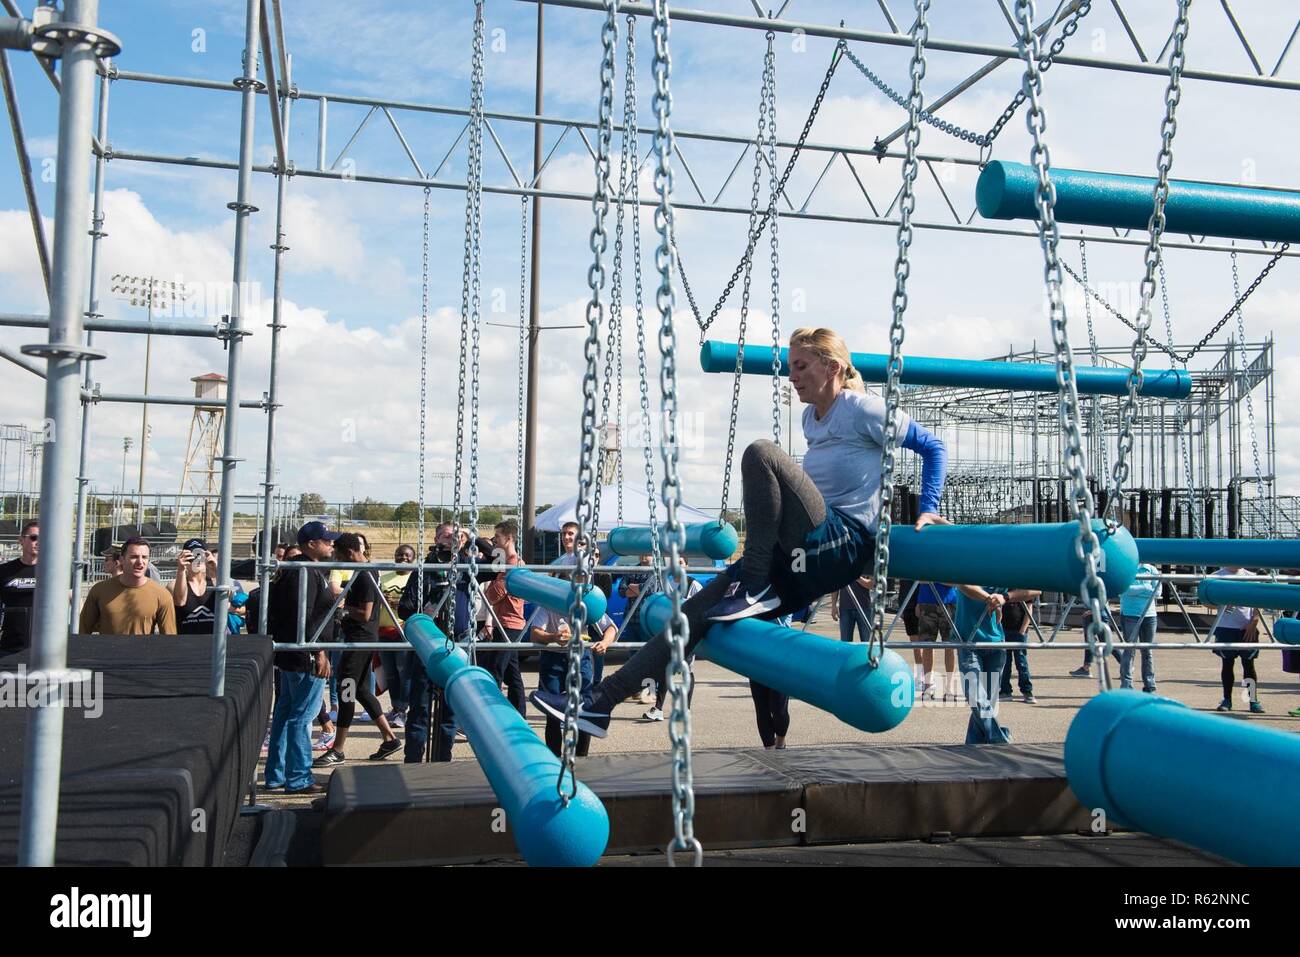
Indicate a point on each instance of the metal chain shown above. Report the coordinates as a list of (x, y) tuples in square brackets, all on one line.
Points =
[(897, 330), (1250, 403), (424, 392), (643, 376), (679, 674), (1182, 409), (475, 193), (774, 214), (1087, 548), (1152, 256), (1205, 339), (628, 156), (745, 289), (702, 322), (523, 340), (1096, 416), (587, 509), (982, 140)]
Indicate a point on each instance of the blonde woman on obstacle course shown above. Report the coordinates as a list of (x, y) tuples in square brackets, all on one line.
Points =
[(809, 529)]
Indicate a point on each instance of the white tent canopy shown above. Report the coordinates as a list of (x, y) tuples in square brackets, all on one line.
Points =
[(636, 511)]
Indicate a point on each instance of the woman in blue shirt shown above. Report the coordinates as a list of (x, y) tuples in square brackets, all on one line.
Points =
[(809, 529), (1137, 610)]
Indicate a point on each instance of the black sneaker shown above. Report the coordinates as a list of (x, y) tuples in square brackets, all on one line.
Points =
[(330, 758), (385, 749), (738, 603), (595, 723)]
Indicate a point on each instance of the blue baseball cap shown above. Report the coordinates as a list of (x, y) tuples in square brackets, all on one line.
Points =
[(316, 531)]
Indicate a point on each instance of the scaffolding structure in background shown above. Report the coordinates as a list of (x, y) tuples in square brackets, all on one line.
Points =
[(1005, 459)]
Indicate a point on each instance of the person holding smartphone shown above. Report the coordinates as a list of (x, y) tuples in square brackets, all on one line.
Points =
[(192, 592)]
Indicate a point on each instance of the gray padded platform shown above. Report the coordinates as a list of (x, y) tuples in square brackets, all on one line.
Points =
[(444, 813)]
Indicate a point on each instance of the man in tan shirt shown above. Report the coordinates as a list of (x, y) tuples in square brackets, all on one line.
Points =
[(131, 603)]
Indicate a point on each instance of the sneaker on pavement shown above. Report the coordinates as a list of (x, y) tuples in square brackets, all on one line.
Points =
[(460, 737), (1030, 699), (323, 741), (397, 719), (595, 723), (654, 714), (385, 749), (313, 788), (1081, 673), (738, 604), (1224, 705), (1294, 712), (330, 758), (1256, 708)]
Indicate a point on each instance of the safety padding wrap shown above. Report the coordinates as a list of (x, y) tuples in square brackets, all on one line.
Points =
[(1270, 595), (1006, 191), (835, 676), (520, 768), (1247, 552), (967, 373), (1158, 766), (714, 539), (1287, 631), (1040, 556), (553, 594)]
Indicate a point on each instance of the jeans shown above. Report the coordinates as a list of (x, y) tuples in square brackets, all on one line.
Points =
[(850, 616), (418, 716), (980, 671), (395, 677), (553, 676), (1025, 680), (1143, 631), (288, 757)]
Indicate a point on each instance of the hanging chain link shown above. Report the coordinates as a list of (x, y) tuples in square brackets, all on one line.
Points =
[(897, 330), (1182, 409), (1246, 387), (475, 193), (679, 674), (1087, 547), (1169, 350), (700, 320), (774, 215), (1152, 256), (628, 155), (424, 393), (643, 375), (588, 505), (982, 140), (1097, 416), (523, 360)]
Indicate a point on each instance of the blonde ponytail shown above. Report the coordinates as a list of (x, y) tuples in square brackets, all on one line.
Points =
[(827, 345)]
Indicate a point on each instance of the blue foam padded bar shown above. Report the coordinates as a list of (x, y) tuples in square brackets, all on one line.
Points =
[(520, 768), (1247, 552), (971, 373), (1006, 191), (553, 594), (834, 676), (1037, 556), (1234, 591), (714, 539), (1287, 631), (1158, 766)]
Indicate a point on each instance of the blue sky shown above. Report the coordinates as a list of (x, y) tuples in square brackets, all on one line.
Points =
[(352, 275)]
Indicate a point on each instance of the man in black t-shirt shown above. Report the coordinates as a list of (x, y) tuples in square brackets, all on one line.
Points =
[(18, 590)]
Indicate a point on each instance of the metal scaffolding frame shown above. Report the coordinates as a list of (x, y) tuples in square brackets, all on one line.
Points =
[(82, 50)]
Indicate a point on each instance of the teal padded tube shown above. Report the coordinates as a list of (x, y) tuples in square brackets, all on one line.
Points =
[(1006, 191), (1235, 591), (1287, 631), (1009, 556), (834, 676), (1247, 552), (713, 539), (520, 768), (968, 373), (553, 594), (1217, 784)]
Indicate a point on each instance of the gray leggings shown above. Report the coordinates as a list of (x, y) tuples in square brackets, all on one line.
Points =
[(782, 506)]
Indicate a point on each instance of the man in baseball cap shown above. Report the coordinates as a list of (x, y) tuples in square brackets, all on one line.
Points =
[(316, 532)]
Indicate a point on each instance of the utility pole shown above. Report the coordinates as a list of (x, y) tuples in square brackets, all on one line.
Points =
[(534, 308)]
